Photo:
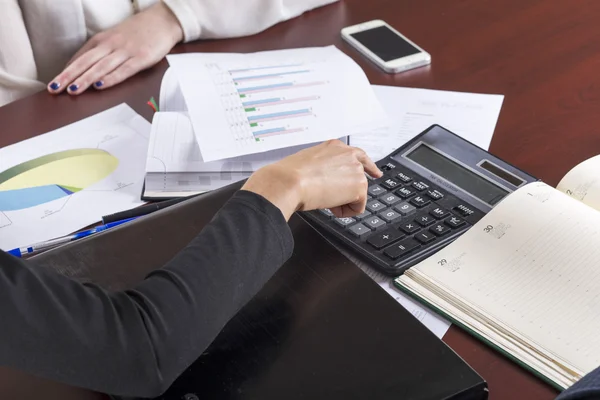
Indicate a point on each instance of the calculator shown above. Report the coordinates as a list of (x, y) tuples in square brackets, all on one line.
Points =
[(433, 189)]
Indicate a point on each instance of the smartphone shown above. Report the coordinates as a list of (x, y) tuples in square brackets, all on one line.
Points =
[(385, 46)]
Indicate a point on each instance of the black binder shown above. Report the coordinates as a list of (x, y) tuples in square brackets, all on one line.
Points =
[(319, 329)]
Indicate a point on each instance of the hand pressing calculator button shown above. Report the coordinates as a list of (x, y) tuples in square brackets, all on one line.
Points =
[(432, 190)]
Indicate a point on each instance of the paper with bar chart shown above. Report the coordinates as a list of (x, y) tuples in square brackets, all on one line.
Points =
[(250, 103), (65, 180)]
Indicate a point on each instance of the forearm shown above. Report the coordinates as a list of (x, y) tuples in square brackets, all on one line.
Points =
[(588, 388), (135, 343), (216, 19)]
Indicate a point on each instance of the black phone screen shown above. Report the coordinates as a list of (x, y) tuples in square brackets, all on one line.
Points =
[(385, 43)]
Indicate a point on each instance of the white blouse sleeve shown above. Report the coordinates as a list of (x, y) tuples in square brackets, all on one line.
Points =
[(219, 19)]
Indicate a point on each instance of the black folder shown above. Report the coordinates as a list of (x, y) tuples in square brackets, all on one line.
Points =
[(319, 329)]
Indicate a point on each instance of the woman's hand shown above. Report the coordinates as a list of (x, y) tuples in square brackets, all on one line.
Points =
[(116, 54), (329, 175)]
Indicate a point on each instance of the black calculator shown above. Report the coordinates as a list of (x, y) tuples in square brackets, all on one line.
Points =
[(433, 189)]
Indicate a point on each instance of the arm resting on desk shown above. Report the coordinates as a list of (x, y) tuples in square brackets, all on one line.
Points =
[(218, 19), (137, 342)]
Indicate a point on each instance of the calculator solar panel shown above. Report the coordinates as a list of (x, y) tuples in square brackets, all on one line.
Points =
[(433, 189)]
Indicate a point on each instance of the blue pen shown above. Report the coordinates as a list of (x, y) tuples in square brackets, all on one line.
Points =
[(35, 248)]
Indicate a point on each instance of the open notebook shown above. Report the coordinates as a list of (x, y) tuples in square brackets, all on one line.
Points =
[(174, 166), (525, 278)]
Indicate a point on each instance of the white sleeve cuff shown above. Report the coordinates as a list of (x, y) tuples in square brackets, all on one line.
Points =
[(141, 5), (187, 19)]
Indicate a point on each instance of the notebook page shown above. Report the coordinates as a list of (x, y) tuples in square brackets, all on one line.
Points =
[(583, 182), (531, 263), (171, 97)]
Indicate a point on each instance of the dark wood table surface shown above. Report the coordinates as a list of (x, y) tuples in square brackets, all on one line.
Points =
[(543, 55)]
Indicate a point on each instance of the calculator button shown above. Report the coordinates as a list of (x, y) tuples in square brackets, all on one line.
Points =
[(376, 190), (403, 177), (425, 237), (439, 212), (435, 194), (405, 209), (405, 192), (375, 206), (381, 239), (425, 220), (369, 197), (389, 215), (327, 212), (374, 223), (419, 201), (344, 222), (454, 222), (388, 167), (359, 230), (390, 184), (420, 186), (410, 227), (463, 210), (362, 216), (401, 248), (390, 199), (440, 229)]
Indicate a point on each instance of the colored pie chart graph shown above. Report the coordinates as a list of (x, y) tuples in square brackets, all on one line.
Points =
[(52, 177)]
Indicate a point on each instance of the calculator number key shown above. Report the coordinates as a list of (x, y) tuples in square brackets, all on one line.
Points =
[(389, 215), (403, 177), (374, 223), (401, 248), (381, 239), (358, 230), (376, 190), (454, 222), (344, 222), (390, 199), (363, 215), (375, 206), (425, 237), (390, 184), (419, 201), (405, 209), (420, 186), (405, 192), (440, 229), (439, 212)]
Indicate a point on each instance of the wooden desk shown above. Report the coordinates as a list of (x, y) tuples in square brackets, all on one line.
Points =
[(542, 55)]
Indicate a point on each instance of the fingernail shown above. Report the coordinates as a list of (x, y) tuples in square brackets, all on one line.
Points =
[(54, 85), (99, 84), (73, 88)]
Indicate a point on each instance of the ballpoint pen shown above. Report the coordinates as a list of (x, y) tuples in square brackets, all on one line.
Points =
[(36, 248)]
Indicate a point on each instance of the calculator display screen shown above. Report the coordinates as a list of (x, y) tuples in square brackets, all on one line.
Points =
[(457, 174)]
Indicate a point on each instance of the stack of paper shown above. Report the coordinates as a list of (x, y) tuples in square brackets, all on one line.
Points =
[(223, 116)]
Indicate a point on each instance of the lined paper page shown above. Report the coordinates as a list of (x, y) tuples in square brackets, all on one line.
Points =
[(532, 263), (583, 182)]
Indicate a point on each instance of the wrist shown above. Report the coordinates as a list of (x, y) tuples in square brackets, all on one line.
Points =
[(283, 188), (174, 29)]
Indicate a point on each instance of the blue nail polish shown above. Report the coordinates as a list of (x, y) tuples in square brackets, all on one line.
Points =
[(73, 87), (99, 84), (54, 85)]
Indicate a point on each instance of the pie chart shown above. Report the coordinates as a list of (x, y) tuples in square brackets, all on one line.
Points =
[(53, 176)]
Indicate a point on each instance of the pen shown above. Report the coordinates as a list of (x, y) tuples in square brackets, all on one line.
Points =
[(143, 210), (35, 248)]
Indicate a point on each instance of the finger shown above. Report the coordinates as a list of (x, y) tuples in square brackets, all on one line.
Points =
[(76, 69), (95, 74), (347, 210), (90, 44), (368, 164), (124, 71)]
